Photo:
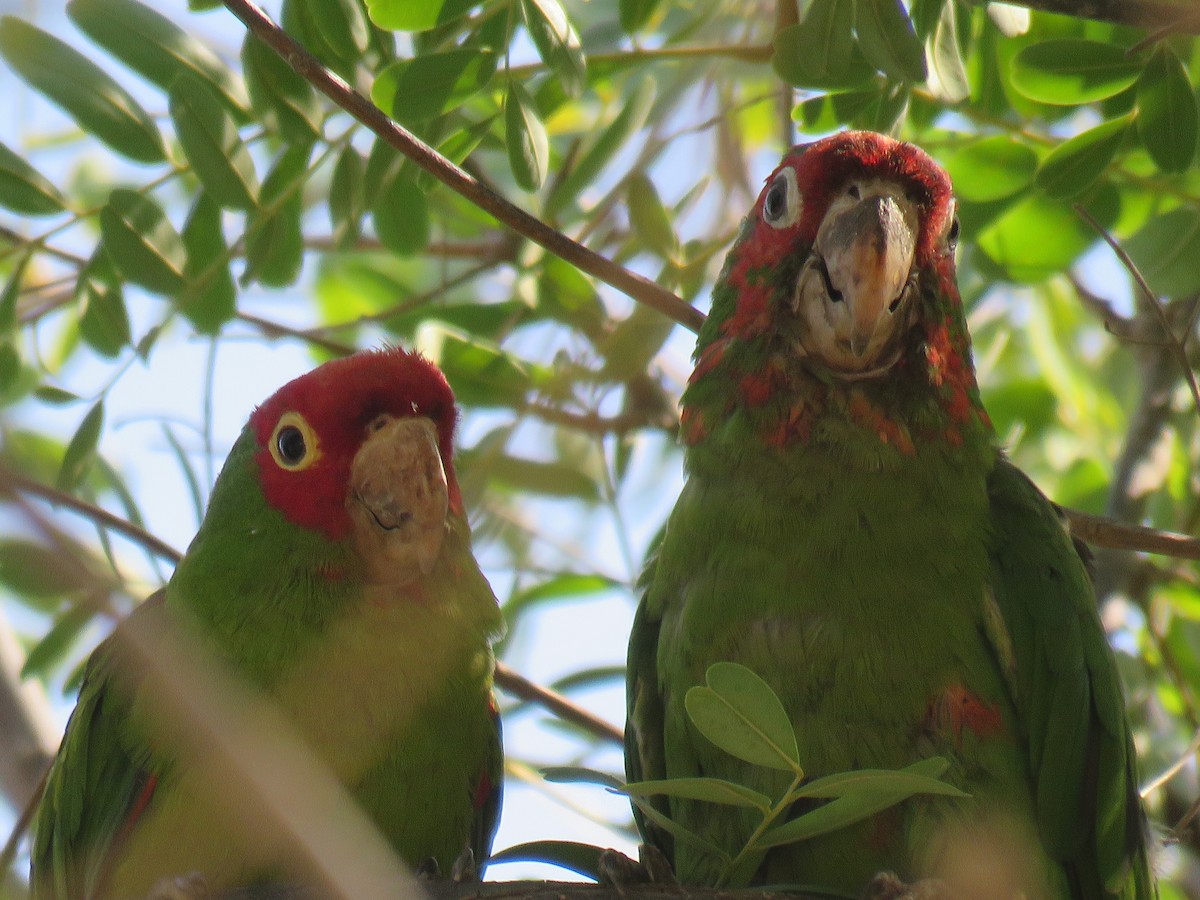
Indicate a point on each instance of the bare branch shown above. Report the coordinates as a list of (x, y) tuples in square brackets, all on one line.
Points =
[(1103, 531), (1158, 16), (636, 286), (520, 686)]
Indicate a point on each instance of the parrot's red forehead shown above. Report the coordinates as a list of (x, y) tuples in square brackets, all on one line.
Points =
[(338, 401), (823, 169)]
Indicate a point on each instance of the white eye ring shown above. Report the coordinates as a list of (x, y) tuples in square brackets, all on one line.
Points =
[(781, 203)]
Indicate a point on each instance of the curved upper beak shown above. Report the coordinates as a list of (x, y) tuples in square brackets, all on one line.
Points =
[(867, 246), (398, 499)]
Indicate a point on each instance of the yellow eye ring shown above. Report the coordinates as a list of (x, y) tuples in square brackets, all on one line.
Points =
[(293, 443)]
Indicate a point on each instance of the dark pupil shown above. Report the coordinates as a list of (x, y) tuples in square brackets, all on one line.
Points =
[(773, 206), (291, 444), (954, 230)]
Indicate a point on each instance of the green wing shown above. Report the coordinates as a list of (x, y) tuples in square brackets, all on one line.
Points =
[(489, 793), (100, 781), (1068, 696)]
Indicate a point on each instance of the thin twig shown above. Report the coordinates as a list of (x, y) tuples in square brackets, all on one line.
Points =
[(1177, 345), (1179, 18), (425, 157), (522, 688), (1102, 531)]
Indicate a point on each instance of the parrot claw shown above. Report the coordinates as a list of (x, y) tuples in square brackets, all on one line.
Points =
[(652, 867), (465, 869), (428, 870), (192, 886), (888, 886)]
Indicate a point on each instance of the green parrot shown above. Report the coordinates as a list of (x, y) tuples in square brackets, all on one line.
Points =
[(851, 532), (333, 573)]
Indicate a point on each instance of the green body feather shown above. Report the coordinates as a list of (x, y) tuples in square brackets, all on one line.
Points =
[(392, 692)]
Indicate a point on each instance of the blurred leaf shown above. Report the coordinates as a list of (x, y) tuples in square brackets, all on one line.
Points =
[(947, 71), (650, 220), (580, 775), (888, 41), (1071, 72), (525, 138), (334, 31), (103, 318), (1166, 111), (405, 15), (347, 198), (142, 243), (635, 341), (274, 239), (562, 587), (55, 643), (556, 41), (81, 449), (740, 713), (24, 190), (35, 571), (211, 143), (569, 855), (817, 50), (482, 374), (12, 293), (551, 479), (98, 104), (1075, 164), (1166, 250), (416, 90), (1034, 239), (285, 101), (401, 215), (714, 790), (991, 169), (210, 299), (154, 46), (635, 14)]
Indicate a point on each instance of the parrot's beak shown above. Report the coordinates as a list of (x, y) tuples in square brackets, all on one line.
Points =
[(398, 500), (855, 285)]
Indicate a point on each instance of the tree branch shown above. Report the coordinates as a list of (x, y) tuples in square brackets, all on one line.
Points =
[(1152, 15), (425, 157)]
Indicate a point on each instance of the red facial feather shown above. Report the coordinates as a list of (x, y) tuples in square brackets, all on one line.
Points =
[(339, 400)]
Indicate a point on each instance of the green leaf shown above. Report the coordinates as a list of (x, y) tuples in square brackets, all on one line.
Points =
[(347, 198), (883, 781), (1035, 238), (103, 318), (848, 809), (556, 41), (560, 588), (284, 100), (98, 104), (581, 775), (1074, 165), (405, 15), (570, 855), (211, 143), (818, 49), (274, 240), (55, 396), (888, 41), (713, 790), (482, 374), (525, 138), (36, 571), (1166, 111), (413, 91), (635, 341), (1165, 252), (649, 218), (142, 243), (210, 299), (154, 46), (52, 648), (679, 832), (550, 479), (991, 169), (25, 190), (12, 293), (1070, 72), (81, 449), (636, 14), (334, 31), (740, 713), (947, 72), (401, 215), (593, 158)]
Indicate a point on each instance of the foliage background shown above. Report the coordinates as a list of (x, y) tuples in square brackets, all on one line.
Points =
[(187, 224)]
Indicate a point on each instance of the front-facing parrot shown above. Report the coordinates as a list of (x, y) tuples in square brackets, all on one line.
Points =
[(333, 573), (851, 532)]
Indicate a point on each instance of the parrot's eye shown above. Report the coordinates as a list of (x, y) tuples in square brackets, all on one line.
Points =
[(293, 444), (781, 205), (952, 236)]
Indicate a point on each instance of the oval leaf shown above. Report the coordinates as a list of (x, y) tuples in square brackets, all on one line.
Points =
[(556, 41), (888, 41), (98, 104), (401, 215), (1069, 72), (210, 140), (82, 449), (1074, 165), (991, 169), (649, 218), (142, 243), (274, 241), (525, 139), (817, 50), (36, 571), (210, 299), (1166, 112), (405, 15), (286, 102), (413, 91), (25, 190), (740, 713), (103, 318)]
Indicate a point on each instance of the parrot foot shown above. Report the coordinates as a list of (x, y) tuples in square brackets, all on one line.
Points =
[(465, 869), (652, 867), (888, 886), (192, 886), (428, 870)]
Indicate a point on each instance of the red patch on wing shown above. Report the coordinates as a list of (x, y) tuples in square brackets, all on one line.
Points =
[(957, 709), (339, 400)]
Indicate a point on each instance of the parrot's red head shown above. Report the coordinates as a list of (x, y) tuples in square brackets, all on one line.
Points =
[(361, 447), (844, 269)]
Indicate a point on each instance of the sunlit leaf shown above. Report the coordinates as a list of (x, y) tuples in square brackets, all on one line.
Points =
[(1072, 72), (142, 243), (817, 50), (525, 138), (991, 169), (55, 643), (556, 41), (103, 318), (405, 15), (947, 69)]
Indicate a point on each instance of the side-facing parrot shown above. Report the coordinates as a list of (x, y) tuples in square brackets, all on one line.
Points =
[(333, 573), (851, 532)]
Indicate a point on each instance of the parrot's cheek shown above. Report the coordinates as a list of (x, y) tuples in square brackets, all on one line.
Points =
[(398, 500)]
